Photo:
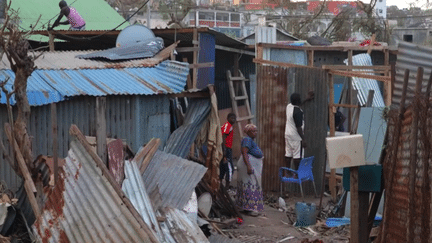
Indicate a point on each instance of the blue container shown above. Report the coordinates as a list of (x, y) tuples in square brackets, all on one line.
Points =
[(305, 213)]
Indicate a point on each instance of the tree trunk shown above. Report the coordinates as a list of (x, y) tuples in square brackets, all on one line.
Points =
[(20, 126)]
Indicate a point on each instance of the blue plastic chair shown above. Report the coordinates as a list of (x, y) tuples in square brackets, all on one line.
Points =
[(304, 173)]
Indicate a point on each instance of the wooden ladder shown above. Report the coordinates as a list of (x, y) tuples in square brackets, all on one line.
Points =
[(235, 85)]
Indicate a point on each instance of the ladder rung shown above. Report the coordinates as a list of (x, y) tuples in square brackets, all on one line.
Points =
[(245, 118), (244, 97)]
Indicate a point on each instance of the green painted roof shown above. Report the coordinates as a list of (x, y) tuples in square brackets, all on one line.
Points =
[(98, 14)]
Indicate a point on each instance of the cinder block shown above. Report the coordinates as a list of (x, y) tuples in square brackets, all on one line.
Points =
[(345, 151)]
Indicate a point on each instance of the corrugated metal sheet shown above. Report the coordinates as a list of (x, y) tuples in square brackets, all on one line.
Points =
[(182, 228), (48, 86), (175, 177), (68, 60), (274, 86), (363, 85), (265, 35), (298, 57), (136, 119), (181, 139), (38, 91), (147, 48), (400, 198), (410, 56), (85, 207), (134, 188)]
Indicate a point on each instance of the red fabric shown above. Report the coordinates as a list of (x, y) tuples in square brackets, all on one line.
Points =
[(228, 129)]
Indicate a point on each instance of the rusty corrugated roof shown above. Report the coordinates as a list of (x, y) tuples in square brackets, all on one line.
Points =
[(87, 205)]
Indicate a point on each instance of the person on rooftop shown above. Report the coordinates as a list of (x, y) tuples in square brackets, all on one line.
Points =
[(73, 17)]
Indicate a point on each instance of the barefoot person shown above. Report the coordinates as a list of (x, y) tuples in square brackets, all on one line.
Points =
[(250, 194)]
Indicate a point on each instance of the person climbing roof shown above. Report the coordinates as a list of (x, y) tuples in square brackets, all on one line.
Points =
[(75, 20)]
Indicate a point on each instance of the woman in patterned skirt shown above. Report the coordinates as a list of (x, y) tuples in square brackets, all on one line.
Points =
[(250, 194)]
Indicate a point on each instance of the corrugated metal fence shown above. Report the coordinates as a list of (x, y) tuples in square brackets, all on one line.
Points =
[(274, 86), (407, 208), (410, 56), (136, 119)]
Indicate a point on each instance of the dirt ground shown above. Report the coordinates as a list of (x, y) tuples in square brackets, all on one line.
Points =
[(274, 224)]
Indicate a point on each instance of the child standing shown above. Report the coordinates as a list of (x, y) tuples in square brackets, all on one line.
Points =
[(226, 167)]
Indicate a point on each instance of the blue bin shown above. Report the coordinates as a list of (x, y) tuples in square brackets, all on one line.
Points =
[(305, 213)]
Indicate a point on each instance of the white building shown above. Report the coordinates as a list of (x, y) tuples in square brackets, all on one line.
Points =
[(381, 8)]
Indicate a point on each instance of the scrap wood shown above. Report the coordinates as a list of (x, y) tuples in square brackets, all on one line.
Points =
[(28, 181), (286, 238), (146, 153), (212, 224)]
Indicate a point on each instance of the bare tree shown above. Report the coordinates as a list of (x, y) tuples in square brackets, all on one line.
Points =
[(16, 48), (174, 11)]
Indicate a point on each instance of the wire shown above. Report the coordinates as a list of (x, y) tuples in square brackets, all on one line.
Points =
[(106, 32)]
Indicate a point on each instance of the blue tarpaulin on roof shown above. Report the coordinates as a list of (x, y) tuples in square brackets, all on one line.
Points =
[(48, 86)]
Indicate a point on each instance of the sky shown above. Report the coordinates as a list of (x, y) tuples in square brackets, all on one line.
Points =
[(405, 3)]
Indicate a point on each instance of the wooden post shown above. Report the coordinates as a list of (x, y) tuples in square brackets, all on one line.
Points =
[(29, 186), (413, 159), (387, 85), (189, 80), (359, 209), (51, 41), (369, 51), (101, 129), (350, 63), (311, 58), (236, 65), (54, 141), (393, 79), (332, 111), (195, 59)]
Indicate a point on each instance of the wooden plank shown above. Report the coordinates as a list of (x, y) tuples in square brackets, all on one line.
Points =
[(311, 58), (186, 49), (195, 59), (388, 85), (332, 182), (54, 140), (236, 65), (149, 156), (51, 41), (361, 75), (143, 151), (101, 134), (350, 67), (29, 186), (189, 80), (371, 45), (370, 98), (74, 131), (259, 53), (373, 208), (230, 49), (281, 64), (201, 65), (245, 118), (322, 48), (346, 105)]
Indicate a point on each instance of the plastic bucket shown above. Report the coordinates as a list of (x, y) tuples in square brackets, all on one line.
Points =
[(305, 213)]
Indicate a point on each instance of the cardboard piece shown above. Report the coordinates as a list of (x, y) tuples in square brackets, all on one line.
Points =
[(345, 151)]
